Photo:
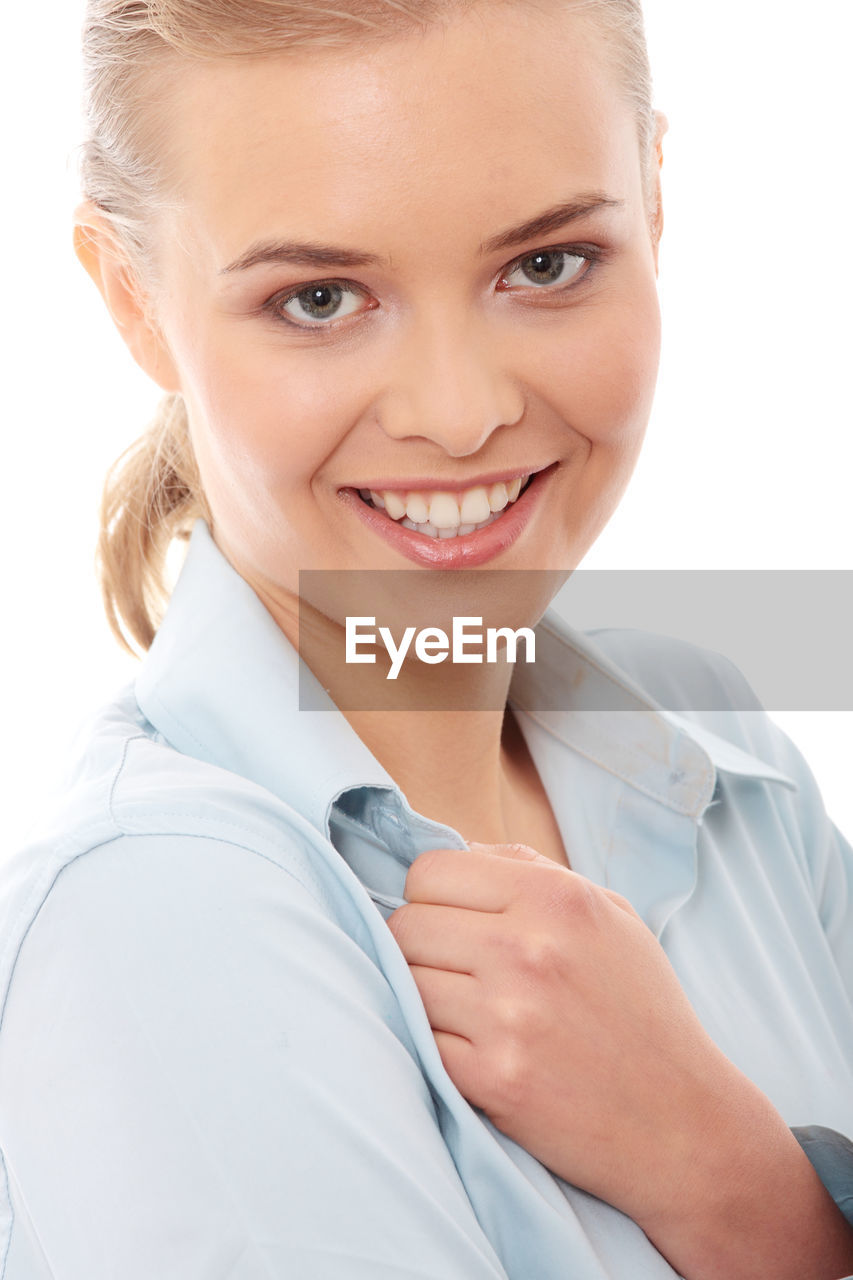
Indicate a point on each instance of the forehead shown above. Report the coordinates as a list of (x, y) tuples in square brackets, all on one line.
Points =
[(465, 127)]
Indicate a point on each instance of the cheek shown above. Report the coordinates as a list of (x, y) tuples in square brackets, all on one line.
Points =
[(599, 384), (265, 421), (603, 379), (263, 424)]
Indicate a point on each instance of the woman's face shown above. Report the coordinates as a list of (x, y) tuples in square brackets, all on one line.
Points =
[(425, 269)]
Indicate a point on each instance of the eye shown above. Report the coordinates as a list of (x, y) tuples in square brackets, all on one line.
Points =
[(548, 267), (318, 302)]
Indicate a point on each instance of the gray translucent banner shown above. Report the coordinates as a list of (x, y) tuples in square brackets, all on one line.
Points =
[(674, 634)]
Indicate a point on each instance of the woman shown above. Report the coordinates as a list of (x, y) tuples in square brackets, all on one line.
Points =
[(397, 263)]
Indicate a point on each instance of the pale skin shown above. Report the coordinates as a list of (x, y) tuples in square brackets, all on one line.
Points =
[(448, 363)]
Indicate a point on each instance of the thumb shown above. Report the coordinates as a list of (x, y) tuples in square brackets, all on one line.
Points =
[(521, 852)]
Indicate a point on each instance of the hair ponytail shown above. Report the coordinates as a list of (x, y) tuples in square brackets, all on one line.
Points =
[(152, 495)]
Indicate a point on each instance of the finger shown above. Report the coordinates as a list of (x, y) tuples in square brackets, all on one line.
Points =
[(525, 853), (460, 878), (520, 852), (462, 1063), (622, 903), (453, 1001), (451, 938)]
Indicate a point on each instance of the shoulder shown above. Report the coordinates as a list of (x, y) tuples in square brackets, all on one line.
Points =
[(139, 822), (127, 782)]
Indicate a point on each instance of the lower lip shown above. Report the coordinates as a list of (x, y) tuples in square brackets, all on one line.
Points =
[(467, 551)]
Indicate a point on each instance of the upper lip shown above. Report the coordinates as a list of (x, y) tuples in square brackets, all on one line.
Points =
[(445, 485)]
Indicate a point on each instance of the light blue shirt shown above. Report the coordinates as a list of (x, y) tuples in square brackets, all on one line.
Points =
[(214, 1061)]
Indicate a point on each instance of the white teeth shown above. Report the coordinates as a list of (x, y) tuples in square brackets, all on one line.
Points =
[(441, 514), (416, 508), (444, 511), (395, 504), (484, 524), (498, 497), (429, 529), (475, 506)]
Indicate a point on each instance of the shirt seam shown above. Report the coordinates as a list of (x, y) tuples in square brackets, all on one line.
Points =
[(351, 820), (136, 737), (169, 717), (134, 835), (250, 836)]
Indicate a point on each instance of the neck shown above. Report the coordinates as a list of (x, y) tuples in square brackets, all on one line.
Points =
[(456, 767), (440, 731)]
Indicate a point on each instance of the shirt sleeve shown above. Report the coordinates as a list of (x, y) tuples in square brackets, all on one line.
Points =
[(201, 1076), (825, 852), (830, 859), (827, 858), (831, 1154)]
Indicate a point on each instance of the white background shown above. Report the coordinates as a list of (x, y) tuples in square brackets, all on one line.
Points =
[(748, 456)]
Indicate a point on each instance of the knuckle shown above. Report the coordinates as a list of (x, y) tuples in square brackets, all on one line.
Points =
[(628, 906), (473, 1076), (537, 954), (509, 1078), (623, 904), (578, 899), (532, 953), (514, 1018)]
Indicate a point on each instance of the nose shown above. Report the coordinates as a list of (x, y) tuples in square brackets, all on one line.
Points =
[(449, 384)]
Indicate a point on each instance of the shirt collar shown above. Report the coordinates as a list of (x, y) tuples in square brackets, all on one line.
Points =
[(221, 683), (583, 698)]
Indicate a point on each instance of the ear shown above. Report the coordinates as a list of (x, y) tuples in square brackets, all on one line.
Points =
[(100, 252), (656, 218)]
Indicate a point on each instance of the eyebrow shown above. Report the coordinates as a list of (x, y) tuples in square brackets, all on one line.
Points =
[(306, 253), (551, 220)]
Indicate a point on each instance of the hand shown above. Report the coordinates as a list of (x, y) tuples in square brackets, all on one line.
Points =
[(556, 1011)]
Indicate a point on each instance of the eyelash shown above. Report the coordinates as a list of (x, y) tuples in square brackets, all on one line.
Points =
[(592, 254)]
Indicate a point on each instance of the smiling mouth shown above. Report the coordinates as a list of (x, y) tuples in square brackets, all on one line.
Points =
[(438, 513)]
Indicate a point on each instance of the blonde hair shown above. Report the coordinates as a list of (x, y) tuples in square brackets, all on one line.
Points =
[(152, 494)]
